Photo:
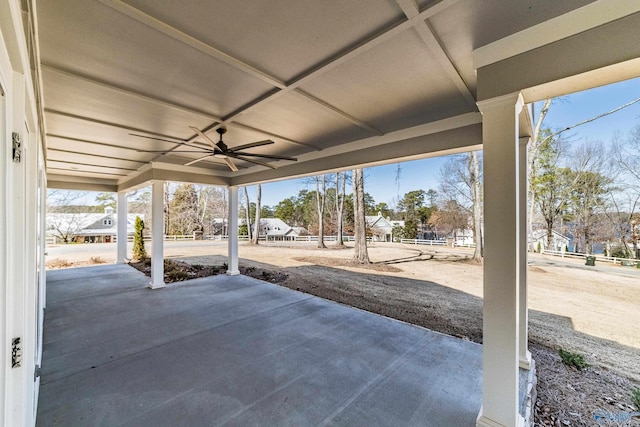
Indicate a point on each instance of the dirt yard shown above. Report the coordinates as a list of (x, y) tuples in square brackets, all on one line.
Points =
[(587, 311)]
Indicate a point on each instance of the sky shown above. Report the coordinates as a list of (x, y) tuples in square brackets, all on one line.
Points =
[(380, 181)]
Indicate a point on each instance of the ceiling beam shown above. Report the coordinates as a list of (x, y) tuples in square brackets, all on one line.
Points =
[(613, 56), (73, 182), (58, 150), (283, 87), (431, 40), (572, 23), (85, 172), (128, 92), (182, 37), (346, 56), (340, 113), (448, 142), (88, 141), (111, 124)]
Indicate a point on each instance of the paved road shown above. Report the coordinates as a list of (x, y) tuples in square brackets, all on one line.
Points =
[(542, 260)]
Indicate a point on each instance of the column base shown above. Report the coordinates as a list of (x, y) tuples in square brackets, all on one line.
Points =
[(233, 273), (525, 362), (483, 421), (157, 285)]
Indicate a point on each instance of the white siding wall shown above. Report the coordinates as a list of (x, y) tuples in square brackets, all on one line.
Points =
[(22, 186)]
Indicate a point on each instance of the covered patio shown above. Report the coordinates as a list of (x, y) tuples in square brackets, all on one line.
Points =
[(113, 95), (232, 350)]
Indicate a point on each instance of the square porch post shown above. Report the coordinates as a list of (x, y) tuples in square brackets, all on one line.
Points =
[(501, 317), (525, 355), (232, 240), (157, 235), (122, 228)]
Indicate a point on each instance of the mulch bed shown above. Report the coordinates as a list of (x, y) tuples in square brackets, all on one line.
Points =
[(177, 271)]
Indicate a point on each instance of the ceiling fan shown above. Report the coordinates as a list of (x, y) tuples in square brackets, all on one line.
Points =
[(220, 150)]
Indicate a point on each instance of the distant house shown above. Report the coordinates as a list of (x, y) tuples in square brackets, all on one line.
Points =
[(538, 239), (277, 229), (87, 227), (381, 228)]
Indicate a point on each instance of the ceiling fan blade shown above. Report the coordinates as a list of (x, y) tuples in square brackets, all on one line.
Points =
[(266, 156), (202, 135), (251, 161), (197, 160), (252, 144), (231, 165)]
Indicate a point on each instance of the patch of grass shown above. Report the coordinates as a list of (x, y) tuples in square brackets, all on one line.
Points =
[(635, 397), (58, 263), (573, 359), (177, 275), (96, 260)]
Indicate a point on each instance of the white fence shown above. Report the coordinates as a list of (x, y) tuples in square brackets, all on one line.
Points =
[(601, 258), (423, 242)]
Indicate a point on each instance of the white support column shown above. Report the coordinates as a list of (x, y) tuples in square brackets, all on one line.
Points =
[(232, 232), (122, 228), (501, 262), (157, 238), (525, 355)]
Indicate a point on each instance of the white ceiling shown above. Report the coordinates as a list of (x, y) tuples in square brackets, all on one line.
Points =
[(312, 76)]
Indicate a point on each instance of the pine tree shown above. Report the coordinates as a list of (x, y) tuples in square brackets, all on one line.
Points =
[(139, 253)]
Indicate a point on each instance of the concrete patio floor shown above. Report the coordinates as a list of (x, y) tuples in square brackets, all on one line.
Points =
[(232, 350)]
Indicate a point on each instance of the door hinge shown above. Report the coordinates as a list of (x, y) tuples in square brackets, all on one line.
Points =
[(36, 372), (16, 353)]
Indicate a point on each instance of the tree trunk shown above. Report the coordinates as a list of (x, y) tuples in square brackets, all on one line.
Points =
[(167, 211), (531, 159), (340, 196), (247, 213), (320, 197), (361, 255), (476, 194), (256, 230)]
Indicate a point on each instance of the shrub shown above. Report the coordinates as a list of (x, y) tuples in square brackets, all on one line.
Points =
[(58, 263), (177, 275), (139, 253), (573, 359), (635, 397), (619, 252)]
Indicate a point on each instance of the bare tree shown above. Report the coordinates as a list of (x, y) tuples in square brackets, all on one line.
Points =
[(166, 209), (62, 222), (461, 182), (320, 204), (590, 187), (532, 153), (361, 255), (247, 213), (476, 193), (341, 178), (539, 140), (256, 230), (626, 198)]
